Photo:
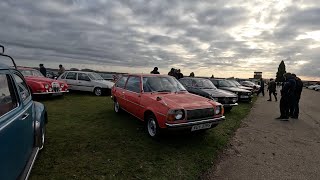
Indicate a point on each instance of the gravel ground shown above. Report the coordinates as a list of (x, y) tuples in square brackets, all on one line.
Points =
[(265, 148)]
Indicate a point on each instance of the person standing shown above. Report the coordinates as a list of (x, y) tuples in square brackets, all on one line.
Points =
[(61, 70), (155, 71), (171, 72), (43, 70), (261, 90), (191, 74), (286, 96), (179, 74), (272, 88), (294, 109)]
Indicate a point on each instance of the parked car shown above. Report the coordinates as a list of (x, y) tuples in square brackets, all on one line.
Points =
[(250, 84), (22, 125), (163, 103), (86, 81), (243, 95), (40, 85), (317, 88), (241, 86), (313, 86), (108, 77), (204, 87)]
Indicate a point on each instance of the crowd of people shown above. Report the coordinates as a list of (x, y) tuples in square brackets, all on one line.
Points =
[(173, 72), (43, 70)]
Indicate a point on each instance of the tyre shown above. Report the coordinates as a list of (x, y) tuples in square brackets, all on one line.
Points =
[(43, 136), (116, 106), (97, 91), (152, 126)]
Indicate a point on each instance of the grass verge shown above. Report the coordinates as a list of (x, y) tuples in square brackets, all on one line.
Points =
[(87, 140)]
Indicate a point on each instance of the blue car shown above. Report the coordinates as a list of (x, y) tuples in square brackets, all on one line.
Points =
[(22, 124)]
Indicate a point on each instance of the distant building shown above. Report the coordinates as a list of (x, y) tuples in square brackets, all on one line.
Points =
[(257, 75)]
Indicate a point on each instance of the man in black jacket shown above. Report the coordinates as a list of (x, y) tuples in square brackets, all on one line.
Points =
[(155, 71), (294, 108), (272, 88), (287, 93), (43, 70)]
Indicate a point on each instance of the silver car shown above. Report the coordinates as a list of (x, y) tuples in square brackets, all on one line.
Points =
[(86, 81)]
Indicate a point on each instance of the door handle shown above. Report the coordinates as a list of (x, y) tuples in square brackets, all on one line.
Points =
[(25, 116)]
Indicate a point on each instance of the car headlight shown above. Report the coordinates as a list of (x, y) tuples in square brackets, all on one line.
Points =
[(236, 93), (62, 85), (46, 86), (217, 110), (234, 100), (174, 115)]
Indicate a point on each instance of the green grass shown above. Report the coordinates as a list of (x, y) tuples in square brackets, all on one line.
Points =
[(87, 140)]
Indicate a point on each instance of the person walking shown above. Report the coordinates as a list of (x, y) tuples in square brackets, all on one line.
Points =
[(43, 70), (61, 70), (272, 88), (261, 90), (155, 71), (294, 109), (286, 96)]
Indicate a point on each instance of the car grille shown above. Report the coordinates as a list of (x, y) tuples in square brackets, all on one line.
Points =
[(55, 87), (199, 114), (224, 100)]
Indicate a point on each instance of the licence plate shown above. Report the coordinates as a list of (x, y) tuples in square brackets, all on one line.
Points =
[(244, 96), (201, 126)]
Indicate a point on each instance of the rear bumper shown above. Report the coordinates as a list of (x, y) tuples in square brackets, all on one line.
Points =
[(190, 124), (230, 105), (53, 93)]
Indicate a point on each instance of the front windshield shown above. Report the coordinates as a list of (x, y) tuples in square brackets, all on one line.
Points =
[(203, 84), (31, 73), (236, 83), (95, 76), (225, 83), (162, 84)]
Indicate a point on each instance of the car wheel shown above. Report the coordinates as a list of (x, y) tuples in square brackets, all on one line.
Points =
[(116, 106), (152, 126), (98, 91), (43, 136)]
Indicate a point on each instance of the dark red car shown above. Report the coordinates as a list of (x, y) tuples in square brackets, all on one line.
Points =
[(40, 85), (163, 103)]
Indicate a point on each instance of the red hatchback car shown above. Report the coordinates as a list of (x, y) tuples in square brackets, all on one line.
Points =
[(163, 103), (40, 85)]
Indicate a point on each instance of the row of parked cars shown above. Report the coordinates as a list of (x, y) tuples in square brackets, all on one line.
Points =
[(315, 87)]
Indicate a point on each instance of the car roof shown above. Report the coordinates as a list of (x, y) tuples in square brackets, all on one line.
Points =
[(147, 75), (80, 71), (25, 68), (193, 78)]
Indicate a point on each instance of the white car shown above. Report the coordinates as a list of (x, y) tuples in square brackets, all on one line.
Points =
[(86, 81), (312, 86), (317, 88)]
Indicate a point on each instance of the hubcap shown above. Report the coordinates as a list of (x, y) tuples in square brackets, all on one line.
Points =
[(116, 106), (152, 127), (98, 91)]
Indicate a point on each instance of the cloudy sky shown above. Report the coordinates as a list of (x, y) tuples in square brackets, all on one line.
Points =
[(224, 38)]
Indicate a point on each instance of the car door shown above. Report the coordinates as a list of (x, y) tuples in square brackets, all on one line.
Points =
[(132, 96), (119, 91), (84, 82), (16, 125), (71, 79)]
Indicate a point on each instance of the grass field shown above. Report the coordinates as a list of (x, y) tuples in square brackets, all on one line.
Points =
[(87, 140)]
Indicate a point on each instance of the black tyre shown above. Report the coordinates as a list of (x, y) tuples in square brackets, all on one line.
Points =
[(97, 91), (152, 126), (116, 106)]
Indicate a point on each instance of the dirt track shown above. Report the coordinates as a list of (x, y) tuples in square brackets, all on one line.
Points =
[(265, 148)]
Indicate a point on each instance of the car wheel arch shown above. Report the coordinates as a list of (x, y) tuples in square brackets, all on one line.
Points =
[(147, 113)]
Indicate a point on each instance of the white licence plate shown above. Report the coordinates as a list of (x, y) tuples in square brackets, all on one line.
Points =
[(201, 126), (244, 96)]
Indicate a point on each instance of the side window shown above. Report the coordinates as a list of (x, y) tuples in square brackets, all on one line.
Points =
[(215, 82), (8, 100), (122, 82), (133, 84), (185, 82), (83, 77), (22, 87), (72, 75), (63, 76)]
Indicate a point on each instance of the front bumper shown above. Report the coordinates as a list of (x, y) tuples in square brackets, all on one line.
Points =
[(53, 93), (186, 125), (230, 105)]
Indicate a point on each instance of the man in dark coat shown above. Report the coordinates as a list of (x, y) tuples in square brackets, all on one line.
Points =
[(287, 93), (43, 70), (261, 90), (272, 88), (171, 73), (155, 71), (179, 74), (294, 109)]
